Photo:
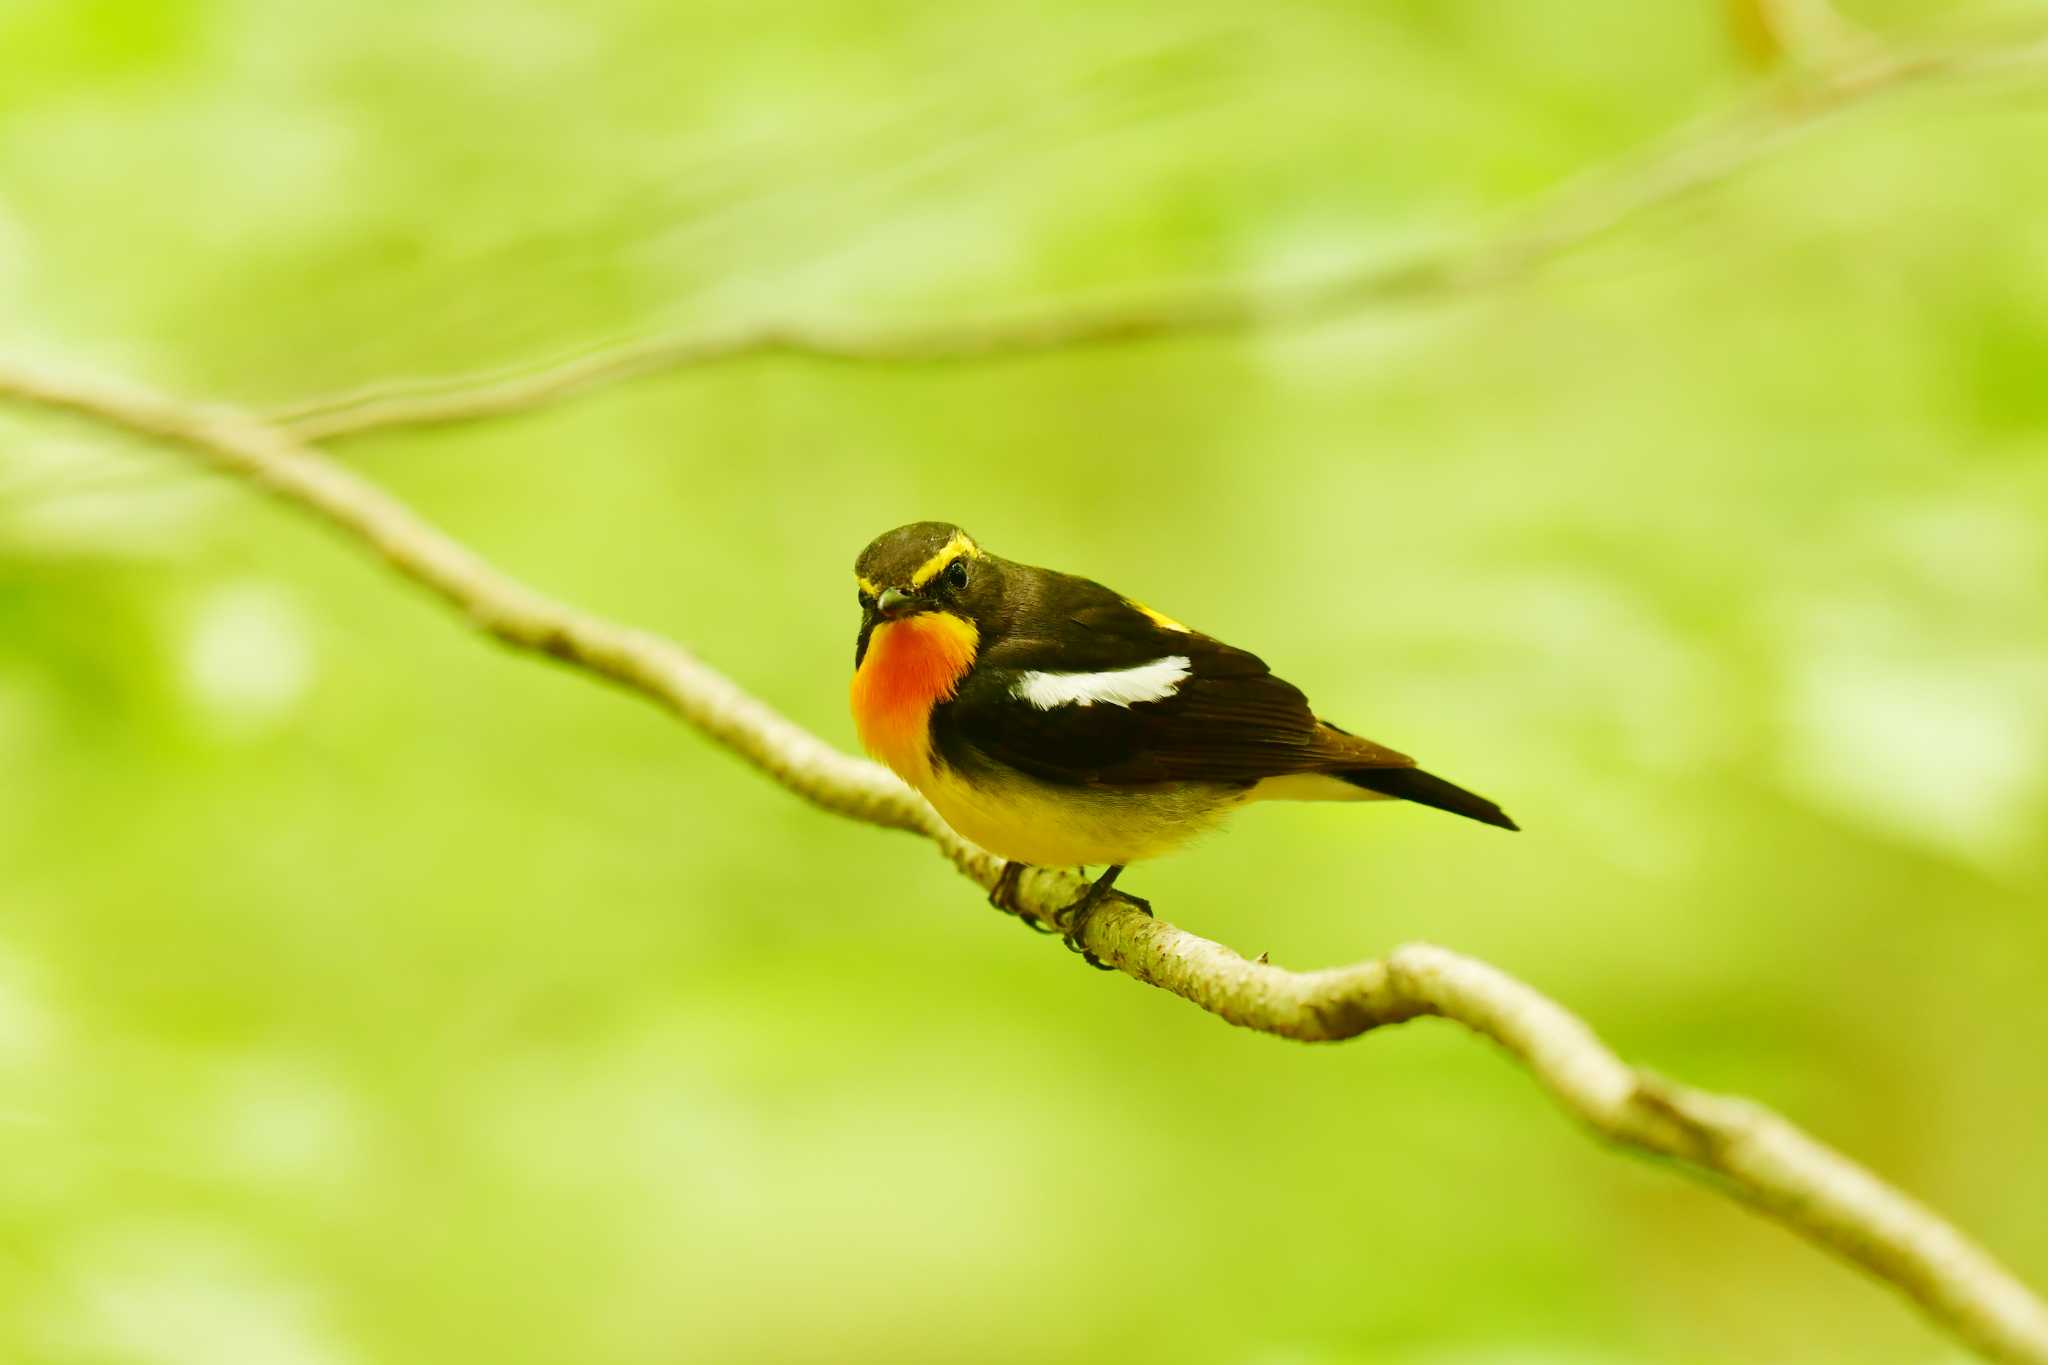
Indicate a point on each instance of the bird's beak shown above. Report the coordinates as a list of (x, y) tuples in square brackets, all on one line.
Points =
[(894, 602)]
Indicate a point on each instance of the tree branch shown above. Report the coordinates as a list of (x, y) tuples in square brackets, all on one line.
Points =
[(1578, 213), (1738, 1147)]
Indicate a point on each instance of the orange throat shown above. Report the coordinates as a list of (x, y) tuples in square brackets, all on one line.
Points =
[(911, 666)]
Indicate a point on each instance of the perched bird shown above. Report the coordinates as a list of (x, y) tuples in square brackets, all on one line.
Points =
[(1057, 723)]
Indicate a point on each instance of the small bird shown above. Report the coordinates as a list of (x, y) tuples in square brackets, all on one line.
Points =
[(1057, 723)]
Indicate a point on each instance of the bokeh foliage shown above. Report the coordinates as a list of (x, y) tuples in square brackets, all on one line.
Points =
[(369, 995)]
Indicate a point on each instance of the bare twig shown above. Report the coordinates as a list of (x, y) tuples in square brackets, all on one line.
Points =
[(1736, 1146), (1578, 213)]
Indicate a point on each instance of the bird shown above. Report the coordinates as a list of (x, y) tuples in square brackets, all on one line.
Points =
[(1058, 723)]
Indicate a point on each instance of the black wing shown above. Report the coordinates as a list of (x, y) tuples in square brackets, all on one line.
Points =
[(1230, 720)]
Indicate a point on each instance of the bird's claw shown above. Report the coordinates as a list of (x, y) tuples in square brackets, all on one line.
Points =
[(1003, 895), (1073, 919), (1072, 937)]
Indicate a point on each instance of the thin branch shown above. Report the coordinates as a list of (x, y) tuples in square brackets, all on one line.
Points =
[(1736, 1146), (1580, 212)]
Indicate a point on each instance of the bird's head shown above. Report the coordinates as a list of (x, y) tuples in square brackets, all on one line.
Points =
[(926, 568)]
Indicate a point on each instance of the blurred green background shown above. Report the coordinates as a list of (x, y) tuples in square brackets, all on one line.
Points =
[(370, 995)]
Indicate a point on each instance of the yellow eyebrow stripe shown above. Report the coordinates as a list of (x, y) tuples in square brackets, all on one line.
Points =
[(867, 585), (953, 549)]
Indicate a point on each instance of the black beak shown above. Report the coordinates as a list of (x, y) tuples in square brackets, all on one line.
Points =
[(892, 604)]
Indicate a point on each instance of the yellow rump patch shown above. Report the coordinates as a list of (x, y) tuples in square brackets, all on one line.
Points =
[(1159, 618), (953, 549)]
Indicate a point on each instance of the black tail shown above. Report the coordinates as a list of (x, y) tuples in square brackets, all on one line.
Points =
[(1427, 789)]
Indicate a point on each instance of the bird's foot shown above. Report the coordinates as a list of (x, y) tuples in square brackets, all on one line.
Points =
[(1004, 896), (1073, 919)]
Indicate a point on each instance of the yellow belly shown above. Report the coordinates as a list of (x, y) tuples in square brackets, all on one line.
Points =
[(1031, 822)]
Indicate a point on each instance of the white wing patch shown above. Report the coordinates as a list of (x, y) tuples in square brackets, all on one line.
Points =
[(1155, 681)]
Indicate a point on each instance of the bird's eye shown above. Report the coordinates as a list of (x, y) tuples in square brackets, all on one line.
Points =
[(956, 575), (864, 597)]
